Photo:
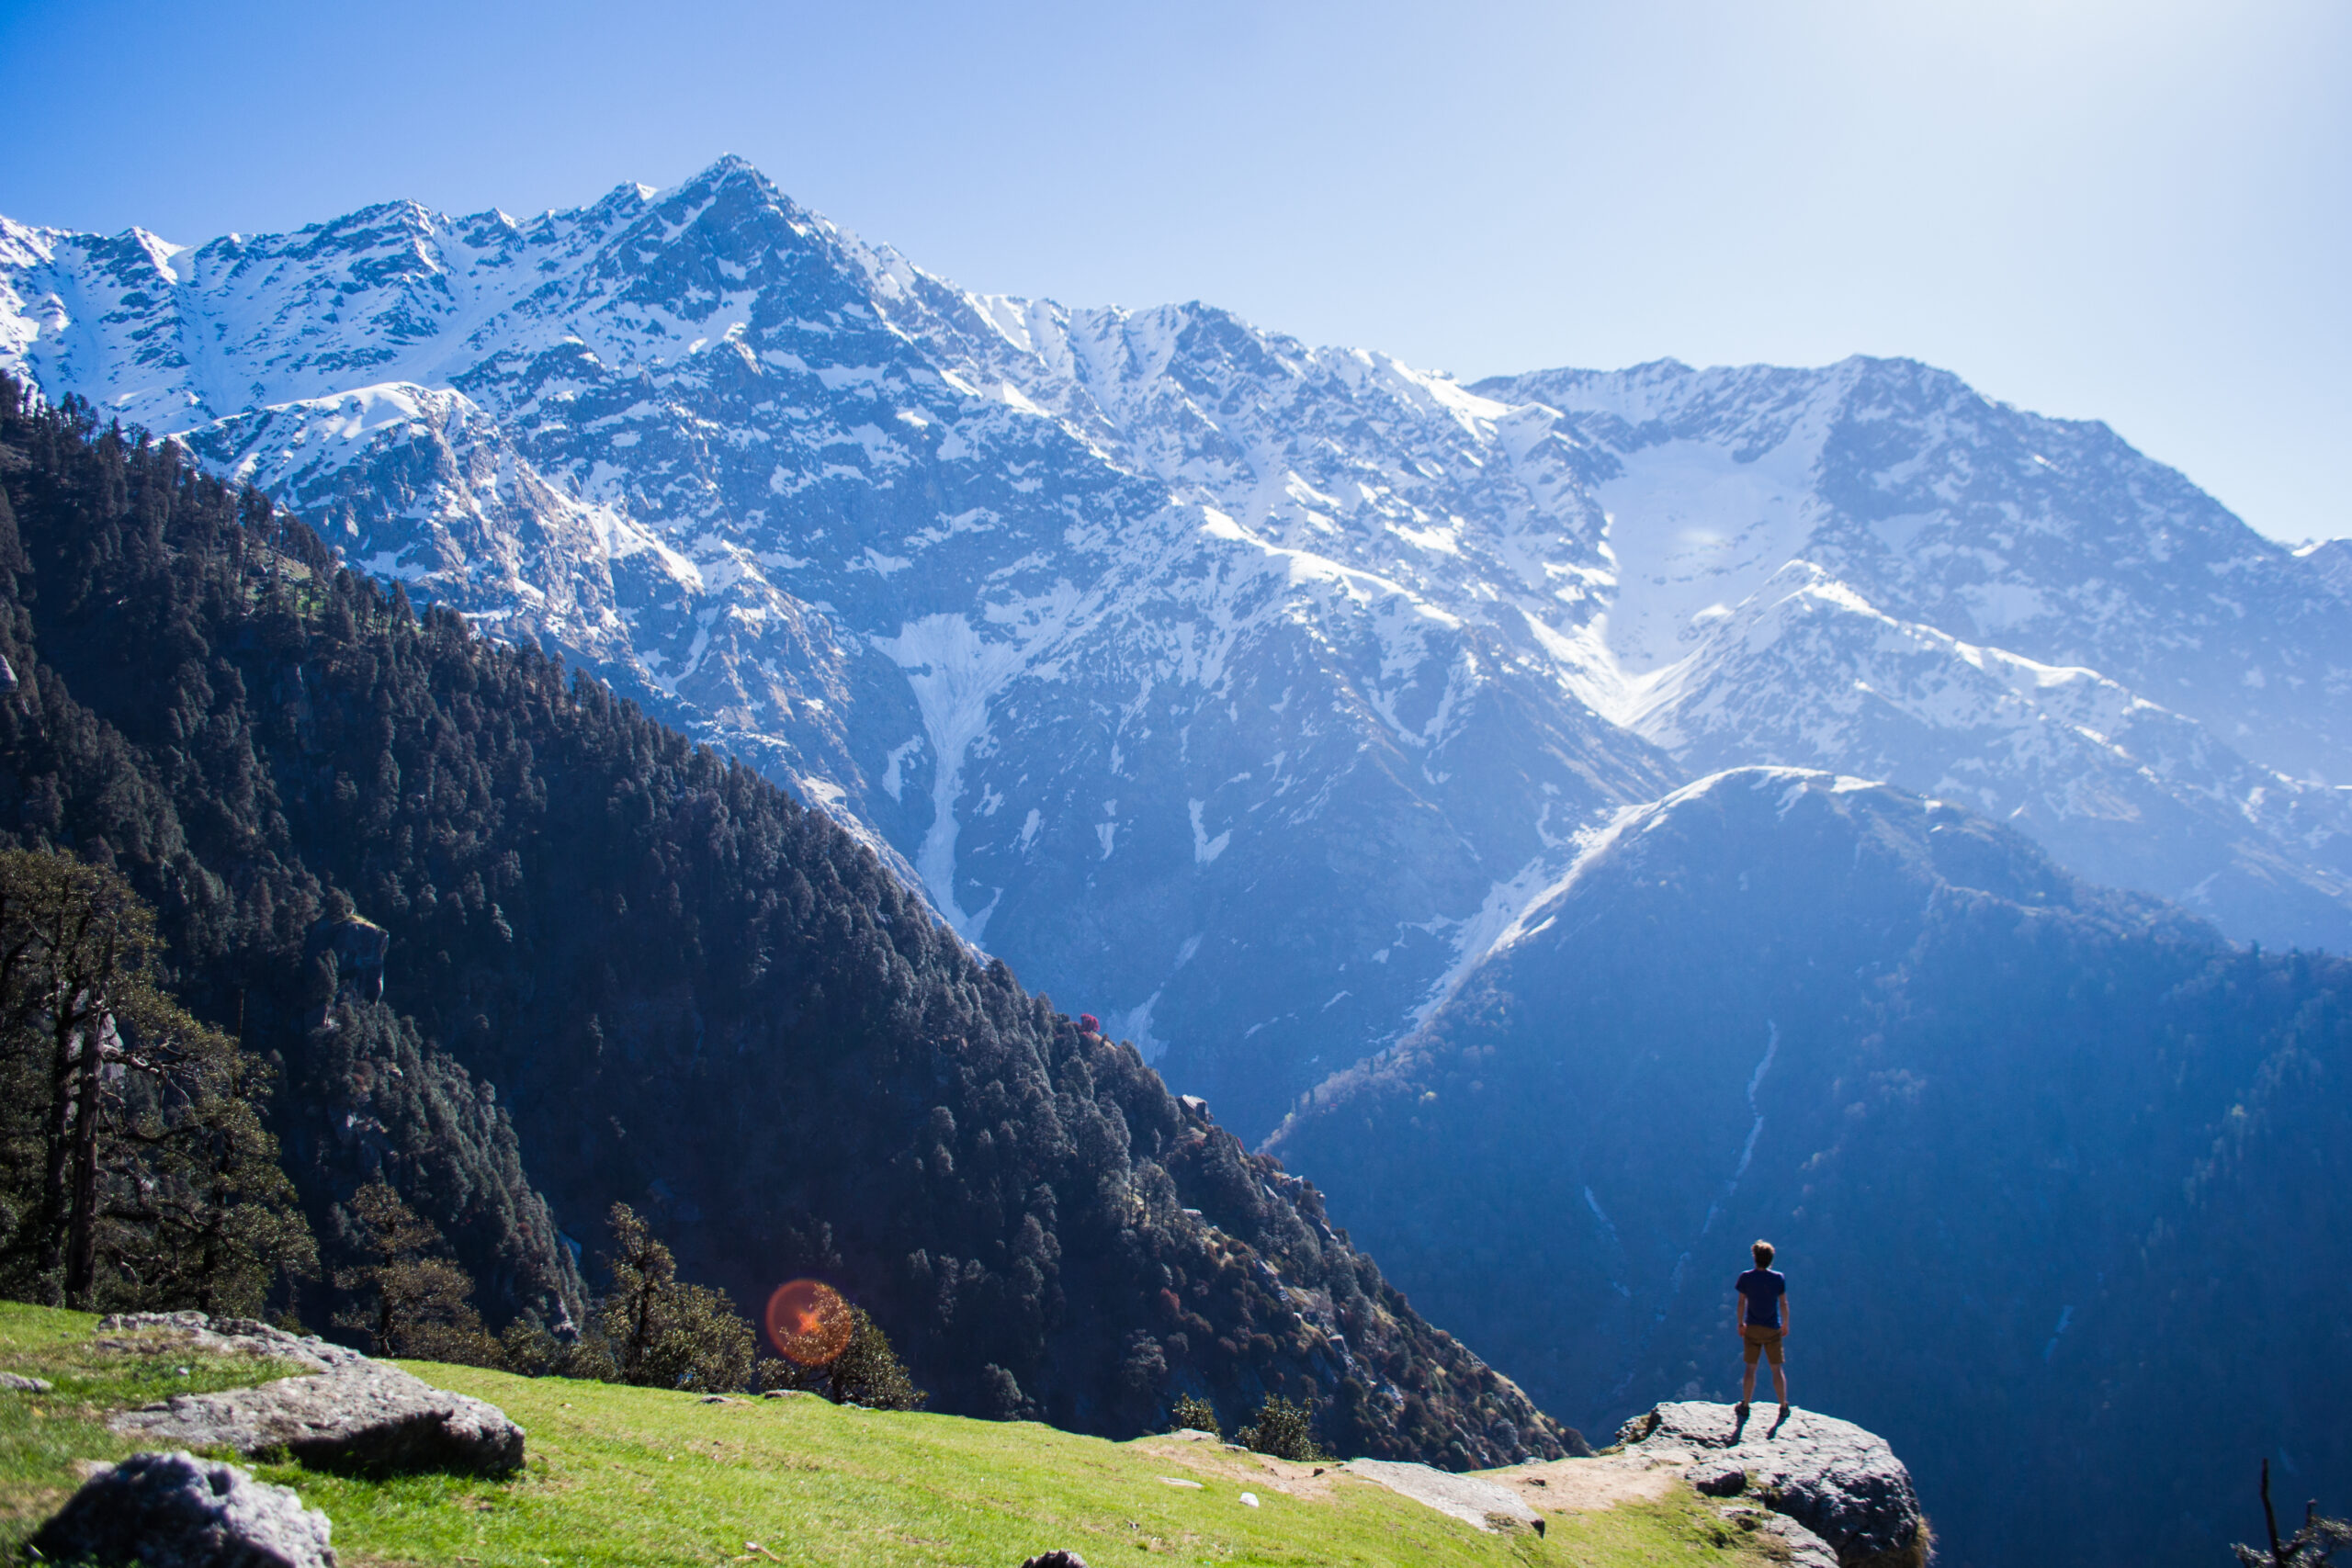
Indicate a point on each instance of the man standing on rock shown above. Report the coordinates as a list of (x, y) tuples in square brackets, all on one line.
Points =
[(1760, 1308)]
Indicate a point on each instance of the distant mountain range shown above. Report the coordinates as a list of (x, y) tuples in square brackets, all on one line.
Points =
[(1240, 690)]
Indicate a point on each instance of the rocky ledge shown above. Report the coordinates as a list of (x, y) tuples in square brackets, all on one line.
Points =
[(350, 1412), (1840, 1483)]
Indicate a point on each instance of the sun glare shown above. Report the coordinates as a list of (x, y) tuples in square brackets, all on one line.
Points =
[(809, 1322)]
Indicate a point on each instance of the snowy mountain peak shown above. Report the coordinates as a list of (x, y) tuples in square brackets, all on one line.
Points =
[(2331, 561), (1236, 687)]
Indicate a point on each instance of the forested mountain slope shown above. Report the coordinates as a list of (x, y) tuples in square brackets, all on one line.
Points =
[(2054, 1170), (507, 938)]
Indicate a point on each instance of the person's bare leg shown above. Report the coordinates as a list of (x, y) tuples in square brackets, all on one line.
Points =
[(1780, 1383), (1747, 1387)]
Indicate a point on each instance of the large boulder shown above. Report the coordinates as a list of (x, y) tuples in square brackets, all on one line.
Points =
[(173, 1510), (1839, 1482), (370, 1416), (353, 1412)]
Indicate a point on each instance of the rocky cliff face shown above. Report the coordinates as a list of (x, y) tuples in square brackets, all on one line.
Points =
[(1841, 1484), (1122, 631)]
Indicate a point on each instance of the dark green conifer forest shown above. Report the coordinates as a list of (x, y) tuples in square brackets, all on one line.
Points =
[(510, 947)]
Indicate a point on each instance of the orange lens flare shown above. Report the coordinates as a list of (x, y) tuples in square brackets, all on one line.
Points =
[(809, 1322)]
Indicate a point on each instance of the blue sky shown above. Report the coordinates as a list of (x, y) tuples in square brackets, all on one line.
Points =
[(2135, 212)]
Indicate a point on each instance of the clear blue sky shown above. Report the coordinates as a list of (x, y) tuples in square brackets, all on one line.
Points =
[(2134, 210)]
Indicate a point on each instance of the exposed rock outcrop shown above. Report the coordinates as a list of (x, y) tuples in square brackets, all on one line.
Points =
[(1477, 1503), (173, 1510), (353, 1412), (1805, 1549), (358, 945), (224, 1337), (1840, 1483)]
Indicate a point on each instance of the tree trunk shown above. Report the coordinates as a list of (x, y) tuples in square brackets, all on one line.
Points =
[(56, 1205), (82, 1251), (384, 1310), (208, 1276), (643, 1329)]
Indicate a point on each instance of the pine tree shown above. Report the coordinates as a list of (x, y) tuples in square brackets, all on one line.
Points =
[(661, 1331), (2313, 1546), (869, 1372), (157, 1183), (413, 1300), (1282, 1430), (1192, 1413)]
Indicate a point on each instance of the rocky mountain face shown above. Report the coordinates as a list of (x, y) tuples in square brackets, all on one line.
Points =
[(2047, 1166), (1240, 690), (1872, 570), (2331, 561)]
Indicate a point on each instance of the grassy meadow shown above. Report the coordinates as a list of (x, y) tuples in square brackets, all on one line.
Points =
[(625, 1477)]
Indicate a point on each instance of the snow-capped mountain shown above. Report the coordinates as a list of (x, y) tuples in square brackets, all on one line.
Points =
[(1235, 689), (2331, 560)]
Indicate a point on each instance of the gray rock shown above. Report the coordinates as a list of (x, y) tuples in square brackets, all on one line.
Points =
[(1805, 1549), (1477, 1503), (23, 1384), (353, 1412), (1840, 1483), (145, 1331), (365, 1416), (173, 1510)]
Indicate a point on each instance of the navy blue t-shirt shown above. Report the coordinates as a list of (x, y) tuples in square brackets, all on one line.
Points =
[(1763, 1288)]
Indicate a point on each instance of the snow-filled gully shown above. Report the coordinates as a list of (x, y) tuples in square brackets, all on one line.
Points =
[(1755, 1125), (953, 673), (1673, 1291)]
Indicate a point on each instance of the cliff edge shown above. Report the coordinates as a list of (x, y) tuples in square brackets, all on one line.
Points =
[(1842, 1484)]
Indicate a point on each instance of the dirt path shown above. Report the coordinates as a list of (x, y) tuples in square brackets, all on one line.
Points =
[(1584, 1486), (1560, 1486)]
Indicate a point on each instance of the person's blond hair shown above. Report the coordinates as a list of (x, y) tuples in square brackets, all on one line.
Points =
[(1763, 1250)]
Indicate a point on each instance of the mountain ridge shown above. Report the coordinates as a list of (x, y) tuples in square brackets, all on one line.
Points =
[(2045, 1163), (1111, 627)]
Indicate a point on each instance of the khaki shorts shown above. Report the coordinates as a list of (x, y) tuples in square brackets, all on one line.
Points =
[(1763, 1341)]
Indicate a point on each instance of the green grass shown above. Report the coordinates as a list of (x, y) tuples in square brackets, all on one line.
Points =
[(41, 1435), (629, 1476)]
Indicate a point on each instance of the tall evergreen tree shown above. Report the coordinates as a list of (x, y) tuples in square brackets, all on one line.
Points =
[(665, 1332), (412, 1299), (139, 1173)]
